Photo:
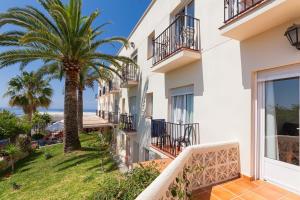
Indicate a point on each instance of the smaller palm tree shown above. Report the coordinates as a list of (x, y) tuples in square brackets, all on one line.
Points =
[(29, 91), (12, 151)]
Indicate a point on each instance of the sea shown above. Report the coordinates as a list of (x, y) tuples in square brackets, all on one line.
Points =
[(19, 112)]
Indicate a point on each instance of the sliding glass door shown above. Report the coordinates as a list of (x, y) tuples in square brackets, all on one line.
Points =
[(280, 132), (282, 120)]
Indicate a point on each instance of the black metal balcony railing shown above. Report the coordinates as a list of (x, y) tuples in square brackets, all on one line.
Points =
[(103, 114), (183, 33), (113, 85), (233, 8), (110, 85), (172, 137), (106, 114), (113, 117), (127, 122), (130, 73), (104, 90)]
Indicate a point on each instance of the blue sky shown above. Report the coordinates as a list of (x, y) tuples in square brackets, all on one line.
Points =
[(123, 14)]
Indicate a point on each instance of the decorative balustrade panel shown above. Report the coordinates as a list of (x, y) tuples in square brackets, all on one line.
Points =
[(196, 167)]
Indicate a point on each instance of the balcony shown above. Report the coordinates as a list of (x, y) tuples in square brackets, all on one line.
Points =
[(127, 122), (104, 115), (171, 138), (177, 45), (130, 76), (246, 18), (113, 118), (113, 86), (210, 171), (104, 90)]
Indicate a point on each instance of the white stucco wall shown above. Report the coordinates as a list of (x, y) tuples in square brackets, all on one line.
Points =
[(222, 78)]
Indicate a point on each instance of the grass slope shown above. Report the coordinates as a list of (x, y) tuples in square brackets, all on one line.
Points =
[(73, 176)]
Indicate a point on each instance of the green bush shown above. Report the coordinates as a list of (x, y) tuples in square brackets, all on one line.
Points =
[(128, 186), (40, 122), (24, 143), (11, 125)]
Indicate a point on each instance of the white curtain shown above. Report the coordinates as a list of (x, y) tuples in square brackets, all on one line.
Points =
[(182, 108), (271, 146), (178, 109)]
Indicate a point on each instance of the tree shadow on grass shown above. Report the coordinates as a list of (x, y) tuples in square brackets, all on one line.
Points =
[(89, 149), (108, 164), (76, 160), (101, 157), (22, 165)]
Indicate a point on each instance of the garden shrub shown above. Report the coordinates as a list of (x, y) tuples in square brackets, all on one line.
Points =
[(40, 122), (127, 186), (24, 143), (11, 125)]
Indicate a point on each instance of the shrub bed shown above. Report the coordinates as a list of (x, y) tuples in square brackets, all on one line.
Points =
[(127, 186)]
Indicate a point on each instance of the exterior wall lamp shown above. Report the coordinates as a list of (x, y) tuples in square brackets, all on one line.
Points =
[(293, 35), (132, 45)]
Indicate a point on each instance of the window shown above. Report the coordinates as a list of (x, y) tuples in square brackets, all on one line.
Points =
[(151, 39), (132, 105), (182, 105), (188, 9), (149, 104)]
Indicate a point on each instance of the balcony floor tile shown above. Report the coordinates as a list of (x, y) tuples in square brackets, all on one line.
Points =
[(244, 189)]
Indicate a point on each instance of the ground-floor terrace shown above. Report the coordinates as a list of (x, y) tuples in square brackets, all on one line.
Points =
[(211, 172), (207, 171)]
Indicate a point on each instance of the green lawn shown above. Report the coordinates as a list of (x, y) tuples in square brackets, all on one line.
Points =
[(72, 176)]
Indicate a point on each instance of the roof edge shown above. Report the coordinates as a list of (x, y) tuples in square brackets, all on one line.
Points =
[(138, 23)]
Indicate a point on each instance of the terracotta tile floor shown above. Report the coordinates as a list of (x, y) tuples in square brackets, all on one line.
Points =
[(243, 189)]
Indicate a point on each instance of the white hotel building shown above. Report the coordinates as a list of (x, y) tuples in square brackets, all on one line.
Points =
[(212, 72)]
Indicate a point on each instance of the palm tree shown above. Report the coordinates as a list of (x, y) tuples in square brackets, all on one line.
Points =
[(61, 36), (29, 91)]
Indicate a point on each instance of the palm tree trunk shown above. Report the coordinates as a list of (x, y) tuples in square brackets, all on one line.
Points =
[(71, 139), (30, 116), (12, 164), (80, 110)]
